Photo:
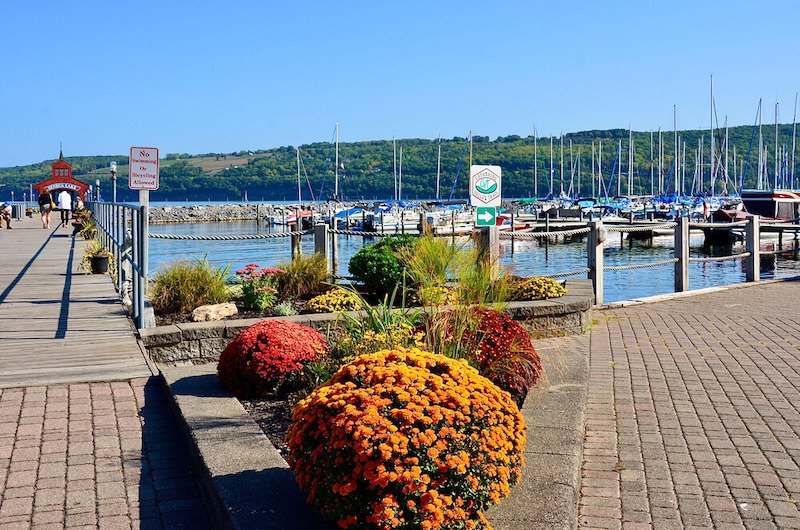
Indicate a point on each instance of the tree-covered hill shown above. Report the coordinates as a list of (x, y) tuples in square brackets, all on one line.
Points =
[(367, 168)]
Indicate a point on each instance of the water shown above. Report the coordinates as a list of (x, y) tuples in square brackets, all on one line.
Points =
[(529, 257)]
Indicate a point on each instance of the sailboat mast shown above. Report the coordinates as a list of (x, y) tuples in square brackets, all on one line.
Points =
[(551, 166), (726, 154), (660, 163), (400, 177), (470, 150), (599, 167), (535, 166), (794, 136), (336, 170), (683, 169), (652, 182), (561, 164), (299, 189), (777, 170), (676, 146), (394, 165), (438, 167), (711, 130), (760, 150), (571, 170), (593, 166), (630, 160), (619, 168)]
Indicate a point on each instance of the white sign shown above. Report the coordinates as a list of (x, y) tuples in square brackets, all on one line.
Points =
[(143, 168), (484, 185)]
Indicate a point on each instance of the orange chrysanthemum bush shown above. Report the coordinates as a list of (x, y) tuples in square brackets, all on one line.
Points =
[(406, 439), (268, 356)]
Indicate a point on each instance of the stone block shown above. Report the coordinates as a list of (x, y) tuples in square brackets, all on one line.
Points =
[(202, 330), (160, 336)]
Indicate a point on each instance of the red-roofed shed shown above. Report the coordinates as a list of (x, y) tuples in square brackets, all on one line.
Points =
[(61, 179)]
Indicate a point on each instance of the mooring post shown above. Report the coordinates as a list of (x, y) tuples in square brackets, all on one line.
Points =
[(597, 236), (421, 225), (752, 237), (321, 243), (294, 227), (489, 249), (334, 246), (512, 232), (682, 255)]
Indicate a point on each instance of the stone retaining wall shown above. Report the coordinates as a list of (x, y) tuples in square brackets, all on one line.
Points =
[(200, 342)]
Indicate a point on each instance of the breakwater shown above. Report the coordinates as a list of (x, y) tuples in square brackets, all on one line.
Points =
[(212, 212)]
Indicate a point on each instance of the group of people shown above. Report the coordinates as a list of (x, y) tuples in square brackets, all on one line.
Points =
[(47, 205), (63, 204)]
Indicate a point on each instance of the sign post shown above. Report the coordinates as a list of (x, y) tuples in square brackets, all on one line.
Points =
[(143, 176), (485, 194)]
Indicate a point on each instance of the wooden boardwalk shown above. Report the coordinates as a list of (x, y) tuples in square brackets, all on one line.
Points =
[(58, 325)]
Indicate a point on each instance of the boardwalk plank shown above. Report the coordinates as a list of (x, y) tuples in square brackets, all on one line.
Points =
[(58, 325)]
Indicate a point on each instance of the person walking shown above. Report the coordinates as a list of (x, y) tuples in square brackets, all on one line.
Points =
[(45, 206), (64, 206)]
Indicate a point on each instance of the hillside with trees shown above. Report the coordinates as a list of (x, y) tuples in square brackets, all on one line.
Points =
[(367, 168)]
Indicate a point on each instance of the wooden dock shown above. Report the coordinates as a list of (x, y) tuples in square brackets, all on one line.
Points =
[(58, 325)]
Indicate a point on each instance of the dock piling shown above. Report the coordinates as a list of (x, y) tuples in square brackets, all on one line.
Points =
[(595, 252), (752, 246), (682, 255)]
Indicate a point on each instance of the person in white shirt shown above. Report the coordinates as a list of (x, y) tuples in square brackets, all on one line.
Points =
[(64, 206)]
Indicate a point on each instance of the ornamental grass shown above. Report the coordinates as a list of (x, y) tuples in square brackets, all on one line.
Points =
[(406, 439), (268, 357)]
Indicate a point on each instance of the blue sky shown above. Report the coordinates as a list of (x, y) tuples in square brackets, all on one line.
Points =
[(210, 76)]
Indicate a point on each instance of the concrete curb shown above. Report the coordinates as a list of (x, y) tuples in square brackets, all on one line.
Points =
[(247, 483)]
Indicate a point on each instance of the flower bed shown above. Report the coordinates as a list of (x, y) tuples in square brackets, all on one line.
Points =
[(406, 439)]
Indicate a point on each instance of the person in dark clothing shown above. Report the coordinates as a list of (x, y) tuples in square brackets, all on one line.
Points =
[(45, 206), (5, 214)]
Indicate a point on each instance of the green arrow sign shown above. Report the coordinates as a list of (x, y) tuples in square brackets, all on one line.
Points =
[(485, 216)]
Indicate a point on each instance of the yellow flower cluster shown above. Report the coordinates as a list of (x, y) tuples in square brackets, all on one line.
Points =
[(396, 335), (334, 301), (406, 439), (536, 288), (437, 295)]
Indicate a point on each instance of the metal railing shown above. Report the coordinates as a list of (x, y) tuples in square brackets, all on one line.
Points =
[(123, 229)]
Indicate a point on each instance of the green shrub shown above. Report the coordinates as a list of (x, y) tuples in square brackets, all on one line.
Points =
[(303, 277), (185, 285), (378, 266)]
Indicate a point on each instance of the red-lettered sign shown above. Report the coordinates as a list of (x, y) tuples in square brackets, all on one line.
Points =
[(143, 168)]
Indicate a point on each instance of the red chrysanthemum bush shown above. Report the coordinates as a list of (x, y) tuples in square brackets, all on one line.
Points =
[(268, 356), (498, 345), (406, 439)]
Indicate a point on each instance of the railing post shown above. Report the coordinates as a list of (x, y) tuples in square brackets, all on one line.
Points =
[(597, 236), (294, 227), (321, 243), (682, 254), (489, 249), (752, 245)]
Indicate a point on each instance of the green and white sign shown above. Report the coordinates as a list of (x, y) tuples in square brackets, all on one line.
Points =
[(484, 185), (485, 216)]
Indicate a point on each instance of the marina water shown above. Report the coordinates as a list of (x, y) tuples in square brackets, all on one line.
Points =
[(529, 257)]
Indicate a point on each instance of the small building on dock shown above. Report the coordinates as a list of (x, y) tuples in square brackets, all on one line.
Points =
[(61, 179)]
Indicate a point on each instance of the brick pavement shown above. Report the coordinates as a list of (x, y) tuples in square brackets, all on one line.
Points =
[(693, 413), (104, 455)]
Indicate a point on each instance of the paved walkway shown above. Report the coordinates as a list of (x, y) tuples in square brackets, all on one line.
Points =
[(693, 413), (87, 438)]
